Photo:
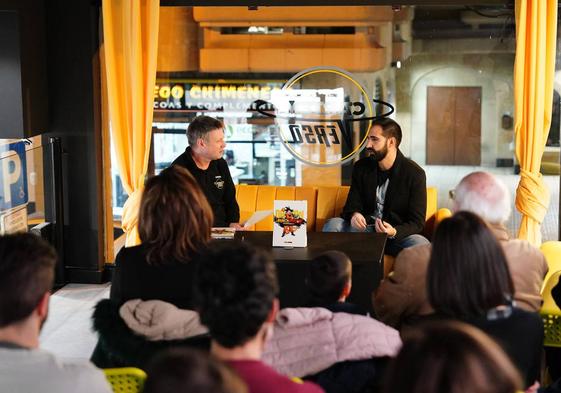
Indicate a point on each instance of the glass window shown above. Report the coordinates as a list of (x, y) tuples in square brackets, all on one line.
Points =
[(446, 69)]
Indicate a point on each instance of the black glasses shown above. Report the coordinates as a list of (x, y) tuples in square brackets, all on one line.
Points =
[(452, 194)]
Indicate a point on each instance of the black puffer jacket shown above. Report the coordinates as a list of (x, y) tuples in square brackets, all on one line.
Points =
[(118, 346)]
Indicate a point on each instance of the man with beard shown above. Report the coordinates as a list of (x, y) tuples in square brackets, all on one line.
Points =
[(388, 192), (26, 277)]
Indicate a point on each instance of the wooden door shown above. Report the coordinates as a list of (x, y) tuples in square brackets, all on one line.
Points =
[(454, 126), (441, 106)]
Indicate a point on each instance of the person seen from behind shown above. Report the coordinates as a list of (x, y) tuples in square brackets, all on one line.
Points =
[(27, 267), (451, 357), (237, 300), (329, 282), (468, 280), (182, 370)]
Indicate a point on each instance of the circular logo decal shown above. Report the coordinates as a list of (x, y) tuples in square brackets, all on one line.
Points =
[(323, 115)]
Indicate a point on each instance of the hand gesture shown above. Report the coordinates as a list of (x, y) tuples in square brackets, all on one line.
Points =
[(358, 221), (384, 227)]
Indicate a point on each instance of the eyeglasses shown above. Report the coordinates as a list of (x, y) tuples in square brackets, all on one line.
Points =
[(452, 193)]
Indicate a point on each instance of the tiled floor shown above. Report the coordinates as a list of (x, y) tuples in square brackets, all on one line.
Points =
[(68, 333)]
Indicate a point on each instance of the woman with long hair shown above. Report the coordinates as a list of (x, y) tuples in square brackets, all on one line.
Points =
[(468, 279), (174, 225), (151, 304)]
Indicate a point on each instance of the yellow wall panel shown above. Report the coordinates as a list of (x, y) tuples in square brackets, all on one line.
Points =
[(273, 60), (178, 45), (224, 60)]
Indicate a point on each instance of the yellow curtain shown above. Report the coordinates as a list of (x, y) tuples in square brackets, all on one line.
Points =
[(534, 66), (130, 35)]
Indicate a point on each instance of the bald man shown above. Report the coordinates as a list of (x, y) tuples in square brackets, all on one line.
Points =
[(402, 296)]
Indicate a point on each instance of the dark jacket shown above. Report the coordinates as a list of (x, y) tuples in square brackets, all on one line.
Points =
[(405, 205), (134, 278), (521, 337), (519, 334), (118, 346), (356, 376), (216, 182)]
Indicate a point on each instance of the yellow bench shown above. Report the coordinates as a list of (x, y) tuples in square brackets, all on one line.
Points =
[(323, 203)]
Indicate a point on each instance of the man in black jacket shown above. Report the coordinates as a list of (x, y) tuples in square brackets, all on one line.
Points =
[(203, 158), (388, 192)]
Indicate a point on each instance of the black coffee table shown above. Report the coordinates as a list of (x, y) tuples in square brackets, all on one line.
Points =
[(366, 251)]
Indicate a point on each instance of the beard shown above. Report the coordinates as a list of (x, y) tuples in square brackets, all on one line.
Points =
[(378, 155)]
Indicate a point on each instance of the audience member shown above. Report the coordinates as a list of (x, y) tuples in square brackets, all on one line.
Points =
[(329, 282), (26, 277), (237, 289), (451, 357), (151, 303), (402, 296), (468, 279), (174, 226), (181, 370), (340, 351)]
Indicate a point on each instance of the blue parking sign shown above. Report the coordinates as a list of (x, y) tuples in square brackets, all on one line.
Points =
[(13, 176)]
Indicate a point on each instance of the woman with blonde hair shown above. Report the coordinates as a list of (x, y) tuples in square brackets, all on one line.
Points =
[(174, 225)]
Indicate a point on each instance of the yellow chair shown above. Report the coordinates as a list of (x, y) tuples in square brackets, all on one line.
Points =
[(125, 379), (551, 314), (552, 252)]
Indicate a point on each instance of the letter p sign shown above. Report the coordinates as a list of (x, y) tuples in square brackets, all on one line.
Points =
[(13, 176)]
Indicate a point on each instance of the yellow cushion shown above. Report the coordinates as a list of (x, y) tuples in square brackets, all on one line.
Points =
[(432, 202), (330, 203), (247, 198), (265, 199)]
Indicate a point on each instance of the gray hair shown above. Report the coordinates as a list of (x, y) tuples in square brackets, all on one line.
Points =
[(200, 127), (485, 195)]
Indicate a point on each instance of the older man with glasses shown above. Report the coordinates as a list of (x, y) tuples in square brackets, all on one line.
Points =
[(402, 296)]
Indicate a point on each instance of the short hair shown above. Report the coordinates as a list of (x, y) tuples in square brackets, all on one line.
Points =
[(390, 128), (183, 370), (27, 265), (467, 273), (200, 127), (451, 357), (235, 289), (328, 274), (175, 218), (485, 195)]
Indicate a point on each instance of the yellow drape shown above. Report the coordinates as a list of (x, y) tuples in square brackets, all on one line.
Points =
[(130, 34), (534, 66)]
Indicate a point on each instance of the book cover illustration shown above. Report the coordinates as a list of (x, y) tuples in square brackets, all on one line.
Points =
[(289, 224)]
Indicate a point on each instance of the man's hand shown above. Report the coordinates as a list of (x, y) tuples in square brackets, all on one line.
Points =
[(384, 227), (237, 226), (358, 221)]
